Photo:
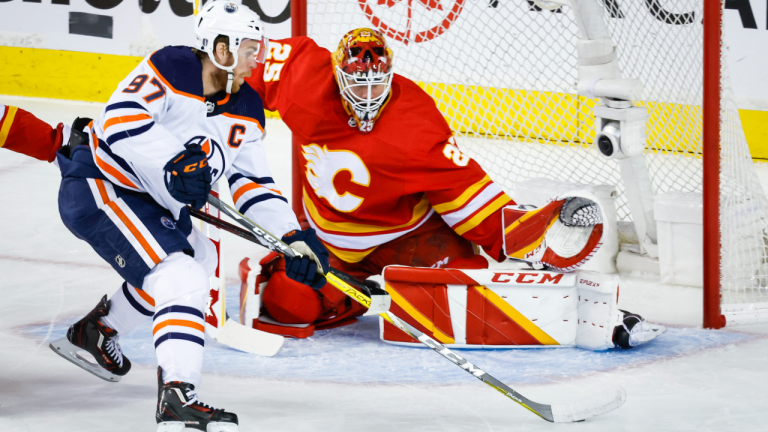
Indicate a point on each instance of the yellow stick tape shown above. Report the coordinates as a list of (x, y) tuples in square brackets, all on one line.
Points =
[(348, 290)]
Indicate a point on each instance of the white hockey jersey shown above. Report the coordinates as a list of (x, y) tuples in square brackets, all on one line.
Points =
[(159, 108)]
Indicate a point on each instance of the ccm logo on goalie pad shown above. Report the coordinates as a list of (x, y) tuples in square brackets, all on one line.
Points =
[(528, 278)]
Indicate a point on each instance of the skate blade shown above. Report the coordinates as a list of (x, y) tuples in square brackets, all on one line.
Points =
[(170, 427), (222, 427), (212, 427), (68, 350)]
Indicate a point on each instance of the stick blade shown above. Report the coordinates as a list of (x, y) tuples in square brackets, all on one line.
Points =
[(601, 403), (242, 338)]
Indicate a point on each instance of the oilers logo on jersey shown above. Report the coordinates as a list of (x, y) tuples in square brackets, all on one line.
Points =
[(214, 152)]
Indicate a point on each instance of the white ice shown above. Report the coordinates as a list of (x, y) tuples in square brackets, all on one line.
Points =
[(343, 379)]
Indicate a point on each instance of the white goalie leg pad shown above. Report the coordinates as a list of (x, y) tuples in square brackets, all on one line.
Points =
[(251, 288), (205, 251), (598, 310)]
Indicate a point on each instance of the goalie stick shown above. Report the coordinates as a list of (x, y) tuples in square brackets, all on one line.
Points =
[(601, 403)]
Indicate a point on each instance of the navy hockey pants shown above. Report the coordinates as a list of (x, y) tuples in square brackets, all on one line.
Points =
[(128, 230)]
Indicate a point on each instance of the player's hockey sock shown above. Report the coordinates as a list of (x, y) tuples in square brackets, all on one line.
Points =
[(130, 306), (179, 286)]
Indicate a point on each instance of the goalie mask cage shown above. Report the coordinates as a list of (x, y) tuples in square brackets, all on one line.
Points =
[(504, 75)]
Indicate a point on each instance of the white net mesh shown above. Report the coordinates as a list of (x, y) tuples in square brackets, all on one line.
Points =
[(504, 76)]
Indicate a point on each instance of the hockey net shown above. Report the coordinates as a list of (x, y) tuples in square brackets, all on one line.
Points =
[(504, 74)]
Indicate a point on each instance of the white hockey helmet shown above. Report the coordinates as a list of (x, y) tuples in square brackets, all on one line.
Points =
[(237, 22)]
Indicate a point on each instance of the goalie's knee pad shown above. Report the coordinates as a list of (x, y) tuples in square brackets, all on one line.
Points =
[(205, 251), (560, 236)]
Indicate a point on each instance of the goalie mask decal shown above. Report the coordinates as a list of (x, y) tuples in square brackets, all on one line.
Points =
[(363, 69)]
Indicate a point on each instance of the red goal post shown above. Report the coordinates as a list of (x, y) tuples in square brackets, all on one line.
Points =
[(507, 80), (713, 23)]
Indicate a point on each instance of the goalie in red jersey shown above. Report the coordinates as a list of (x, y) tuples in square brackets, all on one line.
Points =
[(384, 182)]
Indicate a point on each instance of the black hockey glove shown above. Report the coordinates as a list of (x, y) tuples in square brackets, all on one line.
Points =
[(308, 269), (188, 177)]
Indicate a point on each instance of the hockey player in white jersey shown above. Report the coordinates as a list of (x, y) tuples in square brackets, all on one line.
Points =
[(180, 121)]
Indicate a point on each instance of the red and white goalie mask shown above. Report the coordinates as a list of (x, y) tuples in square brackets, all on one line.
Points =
[(363, 67)]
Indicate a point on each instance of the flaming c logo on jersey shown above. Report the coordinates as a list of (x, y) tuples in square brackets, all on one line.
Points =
[(323, 165), (434, 17)]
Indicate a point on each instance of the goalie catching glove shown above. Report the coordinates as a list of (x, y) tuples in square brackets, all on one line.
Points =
[(560, 236), (188, 177), (308, 269)]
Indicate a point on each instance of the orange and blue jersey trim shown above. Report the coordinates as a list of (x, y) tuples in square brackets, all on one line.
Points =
[(126, 119), (179, 69), (116, 175), (252, 191)]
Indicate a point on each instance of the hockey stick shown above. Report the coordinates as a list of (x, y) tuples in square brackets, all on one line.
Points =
[(372, 297), (218, 325), (601, 403)]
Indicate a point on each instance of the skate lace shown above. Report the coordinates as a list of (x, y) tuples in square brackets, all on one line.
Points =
[(114, 350), (192, 399)]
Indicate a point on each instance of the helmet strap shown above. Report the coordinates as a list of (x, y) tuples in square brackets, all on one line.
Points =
[(229, 69), (230, 81)]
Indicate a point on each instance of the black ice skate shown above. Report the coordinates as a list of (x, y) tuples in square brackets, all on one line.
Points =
[(90, 335), (178, 408), (635, 330)]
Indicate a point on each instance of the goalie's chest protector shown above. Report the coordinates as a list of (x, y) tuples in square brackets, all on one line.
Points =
[(361, 190), (503, 308)]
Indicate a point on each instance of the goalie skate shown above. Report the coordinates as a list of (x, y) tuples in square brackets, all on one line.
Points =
[(635, 330)]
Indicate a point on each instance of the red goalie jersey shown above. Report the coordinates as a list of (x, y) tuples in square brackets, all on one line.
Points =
[(361, 190)]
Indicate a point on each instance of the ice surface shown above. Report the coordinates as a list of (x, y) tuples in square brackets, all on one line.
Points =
[(344, 379), (355, 354)]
